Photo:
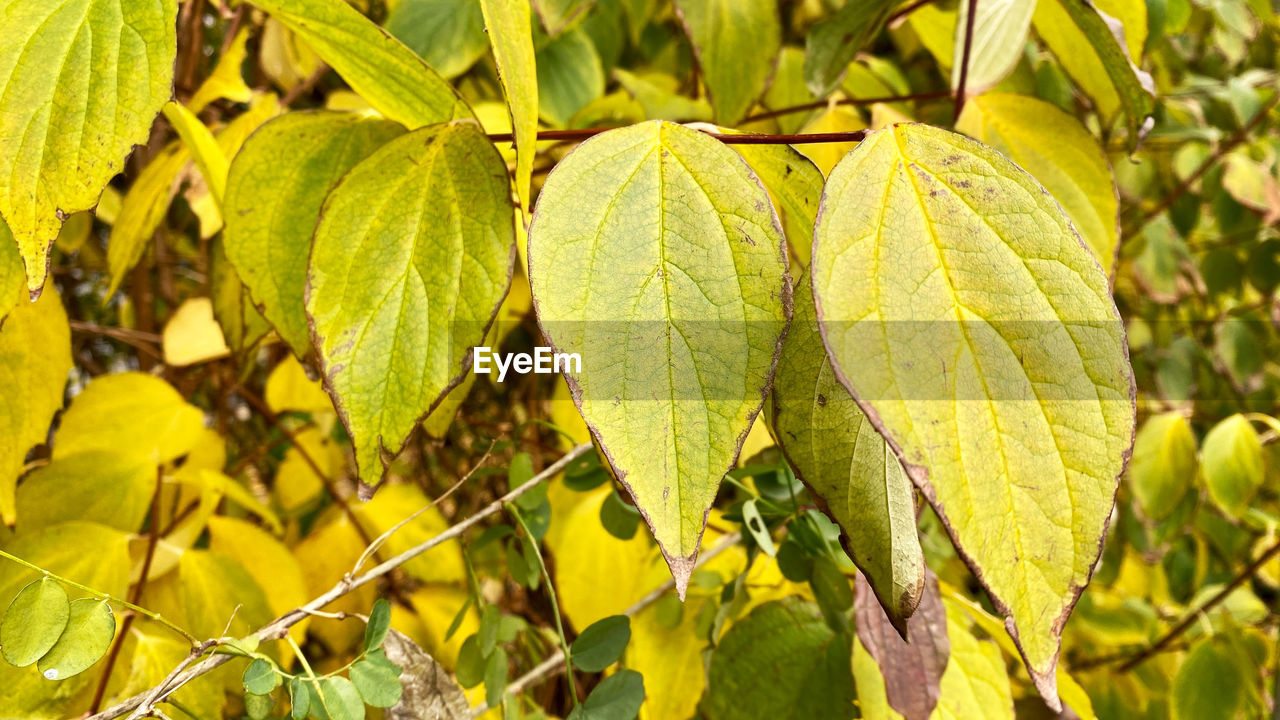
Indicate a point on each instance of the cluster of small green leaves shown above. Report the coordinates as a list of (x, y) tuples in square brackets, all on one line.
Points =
[(371, 680), (63, 638)]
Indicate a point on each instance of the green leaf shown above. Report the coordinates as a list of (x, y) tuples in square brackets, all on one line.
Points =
[(999, 38), (617, 697), (260, 677), (658, 237), (1059, 152), (569, 77), (342, 700), (91, 626), (849, 469), (1164, 464), (557, 15), (490, 620), (299, 698), (1232, 462), (1085, 41), (1210, 683), (975, 683), (471, 663), (618, 518), (832, 43), (132, 413), (34, 621), (377, 679), (832, 591), (395, 81), (991, 358), (736, 43), (379, 623), (258, 707), (781, 662), (276, 187), (82, 82), (35, 358), (397, 300), (495, 677), (756, 527), (601, 644), (510, 31), (100, 486), (448, 34)]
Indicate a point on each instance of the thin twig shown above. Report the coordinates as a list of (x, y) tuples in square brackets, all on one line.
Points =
[(1240, 136), (726, 138), (378, 541), (279, 627), (305, 86), (1191, 618), (554, 664), (964, 58)]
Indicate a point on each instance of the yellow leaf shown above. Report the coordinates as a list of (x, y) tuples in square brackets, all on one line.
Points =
[(192, 336), (975, 683), (267, 560), (286, 58), (130, 413), (328, 553), (394, 503), (35, 357), (838, 118), (436, 606), (289, 388), (96, 486), (296, 482), (226, 81), (670, 659)]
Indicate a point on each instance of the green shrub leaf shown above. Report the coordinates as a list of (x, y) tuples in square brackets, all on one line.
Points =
[(260, 677), (276, 187), (34, 621), (377, 679), (394, 80), (991, 358), (601, 644), (848, 467), (617, 697), (736, 43), (832, 43), (999, 39), (656, 256), (1233, 464), (82, 82), (781, 662), (1091, 47), (91, 626), (510, 29), (1164, 464), (410, 263)]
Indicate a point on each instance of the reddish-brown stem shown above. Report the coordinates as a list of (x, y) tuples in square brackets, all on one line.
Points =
[(964, 57), (135, 595), (726, 138), (931, 95)]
